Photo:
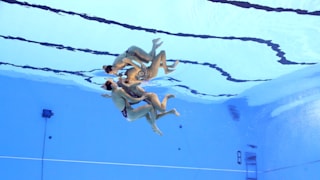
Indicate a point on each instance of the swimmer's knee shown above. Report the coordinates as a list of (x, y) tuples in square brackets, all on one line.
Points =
[(150, 95), (161, 109), (149, 108), (132, 48)]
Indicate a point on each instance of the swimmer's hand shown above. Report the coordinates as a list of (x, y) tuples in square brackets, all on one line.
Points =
[(106, 95), (143, 67), (143, 73), (145, 96)]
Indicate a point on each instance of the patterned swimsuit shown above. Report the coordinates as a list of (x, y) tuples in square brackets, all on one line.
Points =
[(124, 112)]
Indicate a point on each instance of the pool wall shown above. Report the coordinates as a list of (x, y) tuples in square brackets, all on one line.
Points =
[(87, 137), (285, 118)]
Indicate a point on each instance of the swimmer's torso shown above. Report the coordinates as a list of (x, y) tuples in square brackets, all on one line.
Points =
[(118, 100)]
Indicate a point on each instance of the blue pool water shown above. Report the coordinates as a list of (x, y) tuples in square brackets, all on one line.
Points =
[(247, 90)]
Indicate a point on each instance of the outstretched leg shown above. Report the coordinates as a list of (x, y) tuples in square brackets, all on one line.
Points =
[(151, 118), (139, 54), (172, 111), (143, 56), (174, 64), (155, 102), (160, 115), (160, 61), (139, 112)]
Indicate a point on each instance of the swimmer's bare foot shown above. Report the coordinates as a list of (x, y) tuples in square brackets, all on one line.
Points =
[(167, 71), (156, 130), (158, 45), (170, 96), (175, 112), (175, 64), (155, 43)]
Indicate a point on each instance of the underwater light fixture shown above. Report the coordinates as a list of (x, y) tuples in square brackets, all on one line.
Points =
[(47, 113)]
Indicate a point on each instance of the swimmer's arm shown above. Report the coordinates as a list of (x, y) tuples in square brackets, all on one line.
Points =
[(130, 98), (106, 95), (141, 90), (130, 85)]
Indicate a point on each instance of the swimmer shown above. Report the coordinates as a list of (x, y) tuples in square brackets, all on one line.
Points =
[(133, 54), (146, 73), (137, 91), (122, 100)]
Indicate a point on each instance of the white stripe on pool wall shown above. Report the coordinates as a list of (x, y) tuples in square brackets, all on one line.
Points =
[(125, 164)]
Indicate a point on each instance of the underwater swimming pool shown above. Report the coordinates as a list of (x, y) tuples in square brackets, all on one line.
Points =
[(247, 90)]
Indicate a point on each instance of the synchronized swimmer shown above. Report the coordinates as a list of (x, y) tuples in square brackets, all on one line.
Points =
[(128, 91)]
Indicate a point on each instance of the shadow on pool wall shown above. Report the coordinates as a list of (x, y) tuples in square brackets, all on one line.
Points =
[(86, 138)]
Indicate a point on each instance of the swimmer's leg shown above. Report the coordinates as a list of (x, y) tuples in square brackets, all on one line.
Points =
[(174, 64), (140, 54), (155, 46), (156, 129), (172, 111), (160, 115), (154, 99), (151, 118), (159, 61), (134, 114)]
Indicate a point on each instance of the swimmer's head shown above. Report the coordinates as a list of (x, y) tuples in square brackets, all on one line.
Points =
[(107, 85), (107, 69)]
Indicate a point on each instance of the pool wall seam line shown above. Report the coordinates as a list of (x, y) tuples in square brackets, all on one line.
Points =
[(124, 164), (289, 167)]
